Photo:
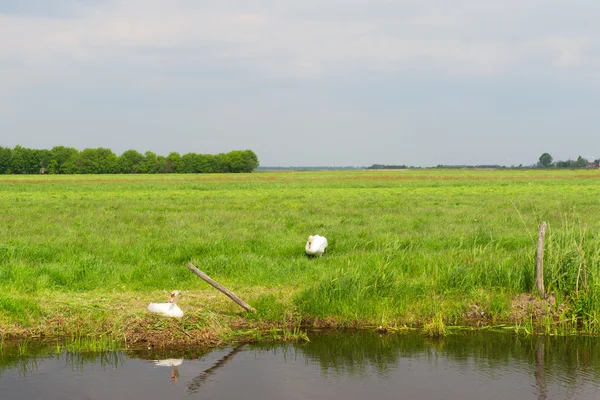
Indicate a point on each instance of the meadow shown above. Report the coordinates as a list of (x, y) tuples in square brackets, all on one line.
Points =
[(84, 255)]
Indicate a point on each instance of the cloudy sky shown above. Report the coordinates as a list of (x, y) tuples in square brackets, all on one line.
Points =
[(311, 82)]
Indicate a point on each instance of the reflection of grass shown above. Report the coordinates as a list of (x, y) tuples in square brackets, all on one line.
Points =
[(85, 255), (79, 343), (355, 354), (25, 355)]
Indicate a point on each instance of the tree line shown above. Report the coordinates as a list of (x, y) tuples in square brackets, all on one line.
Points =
[(68, 160), (385, 166), (547, 161)]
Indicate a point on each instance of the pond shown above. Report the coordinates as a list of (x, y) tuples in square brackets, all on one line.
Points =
[(472, 365)]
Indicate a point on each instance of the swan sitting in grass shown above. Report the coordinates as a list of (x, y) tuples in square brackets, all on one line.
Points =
[(316, 245), (169, 309)]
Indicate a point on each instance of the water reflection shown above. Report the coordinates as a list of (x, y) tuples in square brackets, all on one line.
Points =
[(173, 363), (348, 366), (195, 384)]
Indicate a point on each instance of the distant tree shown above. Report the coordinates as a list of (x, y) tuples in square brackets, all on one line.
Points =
[(173, 160), (5, 160), (250, 161), (23, 161), (188, 164), (43, 157), (53, 167), (97, 161), (151, 165), (108, 161), (88, 162), (66, 160), (240, 161), (220, 163), (131, 162), (545, 160), (581, 162), (204, 163), (235, 161), (210, 164), (162, 164)]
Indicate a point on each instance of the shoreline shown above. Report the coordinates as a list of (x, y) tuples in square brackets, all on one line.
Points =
[(206, 329)]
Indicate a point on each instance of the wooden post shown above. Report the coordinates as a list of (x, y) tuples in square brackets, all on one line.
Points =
[(221, 288), (539, 269)]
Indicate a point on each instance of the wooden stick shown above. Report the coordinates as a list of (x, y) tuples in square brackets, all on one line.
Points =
[(539, 270), (221, 288)]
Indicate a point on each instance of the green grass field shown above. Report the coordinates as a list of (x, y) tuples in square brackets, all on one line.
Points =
[(84, 255)]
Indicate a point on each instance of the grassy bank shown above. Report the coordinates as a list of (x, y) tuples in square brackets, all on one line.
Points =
[(84, 255)]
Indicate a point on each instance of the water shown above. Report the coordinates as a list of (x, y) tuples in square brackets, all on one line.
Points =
[(332, 366)]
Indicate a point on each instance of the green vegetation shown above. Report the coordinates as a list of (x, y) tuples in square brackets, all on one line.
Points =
[(67, 160), (83, 256), (546, 161)]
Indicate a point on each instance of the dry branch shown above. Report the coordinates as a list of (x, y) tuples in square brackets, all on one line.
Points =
[(221, 288)]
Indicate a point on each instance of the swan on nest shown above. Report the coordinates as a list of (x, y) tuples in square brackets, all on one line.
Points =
[(170, 309), (316, 245)]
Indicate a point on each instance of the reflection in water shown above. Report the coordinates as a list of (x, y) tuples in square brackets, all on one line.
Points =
[(540, 379), (196, 383), (349, 366), (27, 361), (173, 363)]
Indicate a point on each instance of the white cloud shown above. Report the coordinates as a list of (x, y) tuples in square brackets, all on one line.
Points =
[(331, 38)]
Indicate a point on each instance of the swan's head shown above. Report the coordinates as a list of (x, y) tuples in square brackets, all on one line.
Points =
[(173, 296), (310, 239)]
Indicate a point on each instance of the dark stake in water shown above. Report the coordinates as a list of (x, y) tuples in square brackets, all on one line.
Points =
[(332, 366)]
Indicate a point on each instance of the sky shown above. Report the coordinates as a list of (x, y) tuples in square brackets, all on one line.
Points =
[(327, 82)]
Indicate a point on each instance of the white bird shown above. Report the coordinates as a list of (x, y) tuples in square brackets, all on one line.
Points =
[(316, 245), (169, 309)]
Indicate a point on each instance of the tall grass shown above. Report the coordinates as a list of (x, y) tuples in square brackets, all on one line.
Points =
[(572, 268)]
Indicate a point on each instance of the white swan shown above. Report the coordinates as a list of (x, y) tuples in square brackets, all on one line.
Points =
[(169, 309), (316, 245)]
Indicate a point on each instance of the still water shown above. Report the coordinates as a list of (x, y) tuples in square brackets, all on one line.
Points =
[(332, 366)]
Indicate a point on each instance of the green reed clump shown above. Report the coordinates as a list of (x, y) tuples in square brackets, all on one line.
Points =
[(93, 344), (572, 269), (435, 328)]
